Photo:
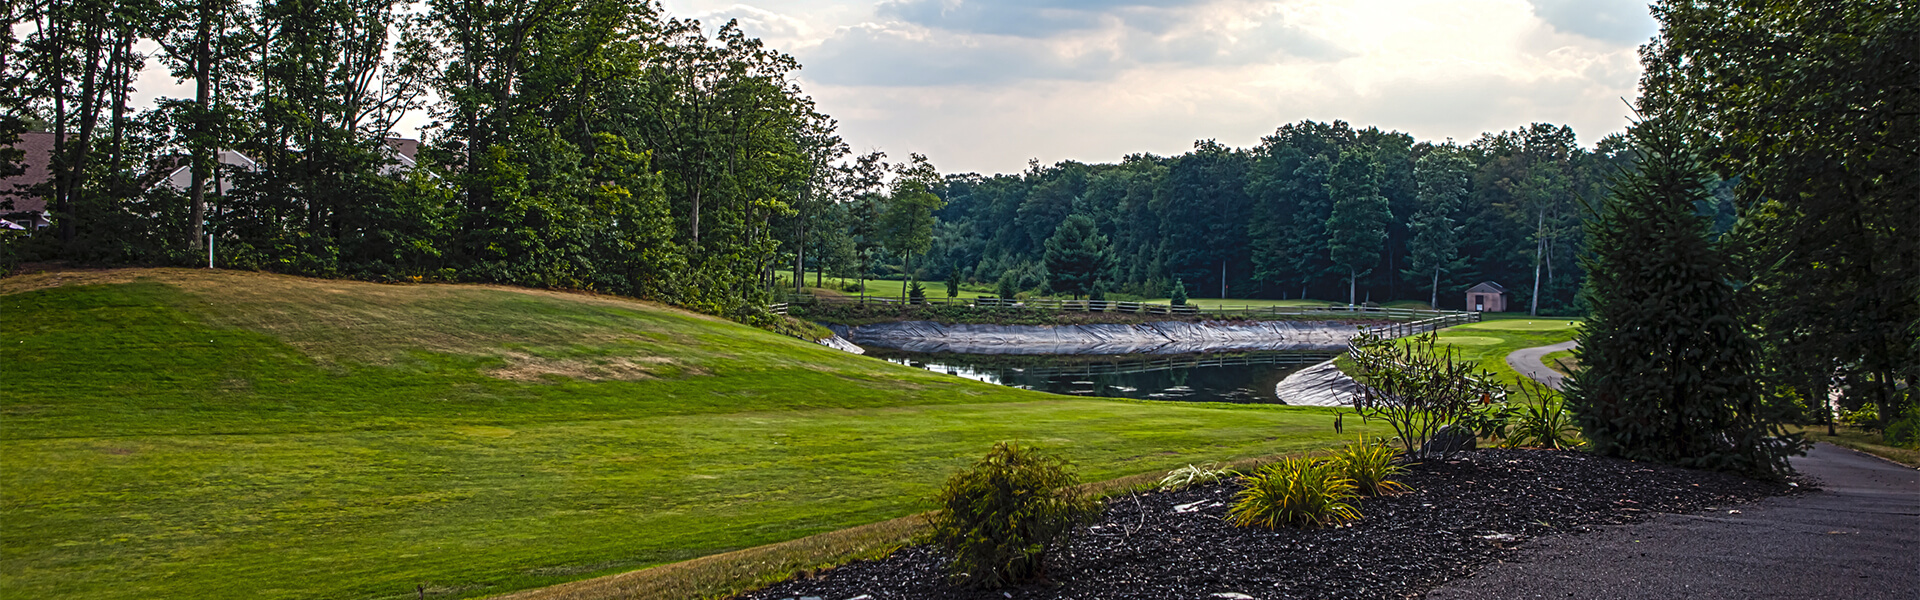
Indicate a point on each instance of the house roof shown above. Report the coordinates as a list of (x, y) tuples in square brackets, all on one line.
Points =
[(1487, 287), (38, 160)]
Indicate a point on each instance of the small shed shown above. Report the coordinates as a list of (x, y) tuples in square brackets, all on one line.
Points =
[(1487, 297)]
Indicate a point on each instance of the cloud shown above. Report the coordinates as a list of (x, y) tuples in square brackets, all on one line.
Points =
[(1022, 18), (875, 55), (1619, 21), (1078, 43), (774, 28)]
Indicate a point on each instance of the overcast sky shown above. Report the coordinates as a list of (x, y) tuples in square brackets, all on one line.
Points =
[(985, 85)]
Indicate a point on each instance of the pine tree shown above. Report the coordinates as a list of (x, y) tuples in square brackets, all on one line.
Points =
[(1076, 256), (1179, 296), (1666, 366)]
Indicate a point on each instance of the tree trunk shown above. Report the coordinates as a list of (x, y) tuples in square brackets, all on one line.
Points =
[(1538, 251), (1435, 302), (201, 162), (1353, 278)]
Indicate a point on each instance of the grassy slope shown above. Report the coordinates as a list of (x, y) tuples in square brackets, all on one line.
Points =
[(176, 434)]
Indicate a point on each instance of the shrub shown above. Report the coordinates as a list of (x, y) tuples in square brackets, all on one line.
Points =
[(1002, 515), (1300, 492), (1544, 421), (1416, 386), (852, 287), (1190, 475), (1371, 467), (1905, 431)]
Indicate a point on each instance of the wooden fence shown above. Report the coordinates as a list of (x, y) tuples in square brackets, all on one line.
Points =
[(1432, 319)]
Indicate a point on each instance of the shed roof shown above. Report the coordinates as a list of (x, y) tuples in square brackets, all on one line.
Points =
[(1487, 287), (38, 147)]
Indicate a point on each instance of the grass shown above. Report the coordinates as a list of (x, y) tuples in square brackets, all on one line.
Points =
[(887, 288), (1857, 439), (1488, 342), (180, 433), (1562, 361)]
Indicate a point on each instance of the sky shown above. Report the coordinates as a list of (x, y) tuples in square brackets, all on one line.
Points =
[(986, 85)]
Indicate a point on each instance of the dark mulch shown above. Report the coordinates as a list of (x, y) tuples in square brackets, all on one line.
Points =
[(1404, 545)]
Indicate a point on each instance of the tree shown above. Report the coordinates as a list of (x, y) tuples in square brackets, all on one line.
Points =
[(1444, 179), (1812, 106), (1357, 227), (953, 282), (907, 222), (1076, 256), (1666, 369), (1178, 297)]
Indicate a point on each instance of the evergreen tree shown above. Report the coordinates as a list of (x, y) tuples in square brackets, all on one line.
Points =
[(1666, 367), (1357, 228), (1076, 256), (953, 282), (1179, 294)]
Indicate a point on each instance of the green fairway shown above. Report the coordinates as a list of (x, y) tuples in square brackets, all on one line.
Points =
[(1488, 342), (193, 434)]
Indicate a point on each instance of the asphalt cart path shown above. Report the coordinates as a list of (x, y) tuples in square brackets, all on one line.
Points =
[(1856, 537), (1527, 362)]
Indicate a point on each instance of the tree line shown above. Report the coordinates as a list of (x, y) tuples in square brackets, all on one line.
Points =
[(1316, 210), (589, 144)]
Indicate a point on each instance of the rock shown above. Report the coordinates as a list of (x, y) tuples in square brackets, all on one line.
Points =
[(1233, 596), (1319, 385), (1450, 439)]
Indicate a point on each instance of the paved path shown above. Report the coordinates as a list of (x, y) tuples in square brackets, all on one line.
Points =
[(1527, 362), (1858, 538)]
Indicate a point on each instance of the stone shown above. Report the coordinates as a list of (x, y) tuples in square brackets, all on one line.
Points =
[(1450, 439)]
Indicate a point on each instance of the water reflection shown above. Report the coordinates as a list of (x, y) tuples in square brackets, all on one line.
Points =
[(1244, 378)]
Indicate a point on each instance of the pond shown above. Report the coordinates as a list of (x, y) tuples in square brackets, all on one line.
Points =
[(1238, 377)]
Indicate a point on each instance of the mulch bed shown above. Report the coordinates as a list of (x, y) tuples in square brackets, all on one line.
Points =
[(1462, 513)]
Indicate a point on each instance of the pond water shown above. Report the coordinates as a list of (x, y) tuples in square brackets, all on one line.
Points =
[(1239, 377)]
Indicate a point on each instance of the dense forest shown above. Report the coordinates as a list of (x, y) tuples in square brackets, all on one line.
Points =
[(1317, 210)]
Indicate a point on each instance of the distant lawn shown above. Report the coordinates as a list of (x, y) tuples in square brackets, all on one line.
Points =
[(1488, 342), (191, 434)]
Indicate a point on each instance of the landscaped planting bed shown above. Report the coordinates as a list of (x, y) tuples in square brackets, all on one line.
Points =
[(1472, 509)]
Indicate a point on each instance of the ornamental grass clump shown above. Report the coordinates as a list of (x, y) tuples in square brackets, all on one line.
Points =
[(1000, 517), (1371, 466), (1298, 492)]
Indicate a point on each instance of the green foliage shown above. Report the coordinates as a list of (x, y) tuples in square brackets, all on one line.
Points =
[(1357, 226), (1000, 517), (1009, 285), (1416, 386), (953, 283), (1301, 492), (1666, 370), (1905, 431), (1076, 257), (1192, 475), (1803, 101), (1179, 294), (1371, 466), (917, 293)]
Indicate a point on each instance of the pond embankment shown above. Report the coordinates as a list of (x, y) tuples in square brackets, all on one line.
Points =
[(1160, 337)]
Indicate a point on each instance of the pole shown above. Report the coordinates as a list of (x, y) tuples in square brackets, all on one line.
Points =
[(209, 250)]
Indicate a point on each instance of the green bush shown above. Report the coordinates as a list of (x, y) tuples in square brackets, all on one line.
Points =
[(1905, 431), (1299, 492), (1371, 467), (1544, 421), (1001, 516)]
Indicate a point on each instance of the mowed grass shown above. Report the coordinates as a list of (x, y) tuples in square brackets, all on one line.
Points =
[(193, 434), (1487, 343)]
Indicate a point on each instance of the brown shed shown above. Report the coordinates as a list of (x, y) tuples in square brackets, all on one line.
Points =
[(1487, 297)]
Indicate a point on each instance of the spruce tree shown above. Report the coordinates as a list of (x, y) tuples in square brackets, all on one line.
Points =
[(1076, 256), (1666, 368)]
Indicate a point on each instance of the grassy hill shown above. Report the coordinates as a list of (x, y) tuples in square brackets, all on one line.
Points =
[(180, 433)]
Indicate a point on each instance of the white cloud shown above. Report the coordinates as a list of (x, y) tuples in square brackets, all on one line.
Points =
[(1231, 70)]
